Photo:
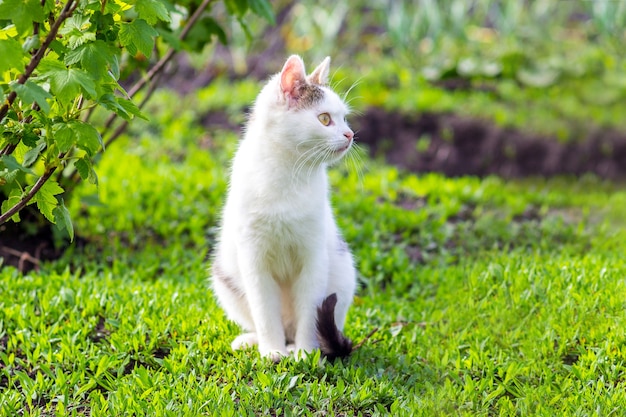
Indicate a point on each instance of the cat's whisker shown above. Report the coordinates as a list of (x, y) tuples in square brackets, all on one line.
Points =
[(335, 84), (306, 157), (356, 158), (301, 162), (348, 101), (324, 153), (354, 84)]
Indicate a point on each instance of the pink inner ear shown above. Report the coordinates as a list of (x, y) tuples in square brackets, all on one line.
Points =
[(291, 76)]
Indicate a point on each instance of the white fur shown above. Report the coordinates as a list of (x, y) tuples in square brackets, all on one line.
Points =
[(279, 244)]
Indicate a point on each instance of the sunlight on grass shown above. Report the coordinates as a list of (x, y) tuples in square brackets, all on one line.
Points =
[(490, 297)]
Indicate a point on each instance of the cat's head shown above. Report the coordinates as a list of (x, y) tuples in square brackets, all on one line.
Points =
[(309, 114)]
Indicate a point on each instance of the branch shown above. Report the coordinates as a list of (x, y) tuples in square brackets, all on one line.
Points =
[(67, 11), (22, 257), (156, 69), (120, 129), (29, 196), (152, 75), (365, 339)]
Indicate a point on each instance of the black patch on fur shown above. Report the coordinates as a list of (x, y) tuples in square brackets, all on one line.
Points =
[(307, 95), (333, 343)]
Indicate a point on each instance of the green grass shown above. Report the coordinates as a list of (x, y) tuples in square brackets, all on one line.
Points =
[(490, 297)]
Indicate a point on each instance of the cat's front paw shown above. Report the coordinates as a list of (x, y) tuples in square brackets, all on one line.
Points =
[(274, 355), (245, 340)]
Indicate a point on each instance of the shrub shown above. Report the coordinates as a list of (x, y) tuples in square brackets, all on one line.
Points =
[(61, 63)]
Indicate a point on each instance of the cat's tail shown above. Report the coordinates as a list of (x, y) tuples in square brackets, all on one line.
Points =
[(333, 343)]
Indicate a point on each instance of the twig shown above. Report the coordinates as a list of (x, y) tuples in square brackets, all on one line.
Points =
[(158, 67), (120, 129), (23, 257), (29, 196), (151, 75), (365, 339), (67, 11)]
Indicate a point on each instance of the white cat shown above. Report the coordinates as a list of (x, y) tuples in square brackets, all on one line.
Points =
[(280, 254)]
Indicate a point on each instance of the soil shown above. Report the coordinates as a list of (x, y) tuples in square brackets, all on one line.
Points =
[(456, 146), (24, 250)]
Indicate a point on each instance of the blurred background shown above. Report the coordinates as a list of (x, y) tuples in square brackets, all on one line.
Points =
[(513, 88)]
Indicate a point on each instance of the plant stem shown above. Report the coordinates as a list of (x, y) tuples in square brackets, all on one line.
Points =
[(67, 11), (29, 196), (152, 75), (158, 67)]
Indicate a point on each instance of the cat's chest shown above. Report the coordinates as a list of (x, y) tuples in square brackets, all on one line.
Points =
[(286, 243), (286, 228)]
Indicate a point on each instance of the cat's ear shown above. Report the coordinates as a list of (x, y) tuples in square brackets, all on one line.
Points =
[(291, 77), (319, 76)]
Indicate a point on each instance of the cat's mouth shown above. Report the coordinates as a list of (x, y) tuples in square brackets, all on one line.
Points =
[(343, 148)]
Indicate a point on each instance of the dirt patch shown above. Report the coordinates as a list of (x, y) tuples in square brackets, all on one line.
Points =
[(24, 250), (456, 145)]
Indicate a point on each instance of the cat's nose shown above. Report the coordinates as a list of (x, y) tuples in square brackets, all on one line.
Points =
[(349, 135)]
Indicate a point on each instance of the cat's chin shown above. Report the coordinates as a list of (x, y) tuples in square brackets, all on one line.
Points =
[(340, 153)]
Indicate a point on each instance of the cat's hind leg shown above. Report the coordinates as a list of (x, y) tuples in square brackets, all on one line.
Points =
[(231, 298), (233, 301)]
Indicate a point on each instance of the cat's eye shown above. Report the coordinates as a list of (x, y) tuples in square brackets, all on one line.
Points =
[(324, 119)]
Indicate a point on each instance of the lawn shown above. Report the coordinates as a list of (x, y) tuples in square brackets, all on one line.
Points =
[(478, 296), (489, 297)]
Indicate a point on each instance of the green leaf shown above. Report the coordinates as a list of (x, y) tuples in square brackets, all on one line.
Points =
[(110, 102), (83, 167), (14, 198), (87, 137), (130, 108), (31, 156), (85, 170), (29, 137), (30, 93), (31, 43), (264, 9), (236, 7), (77, 31), (138, 36), (215, 29), (67, 84), (94, 57), (152, 11), (170, 38), (12, 55), (22, 13), (7, 177), (124, 108), (9, 162), (203, 30), (46, 200), (64, 136), (63, 219)]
